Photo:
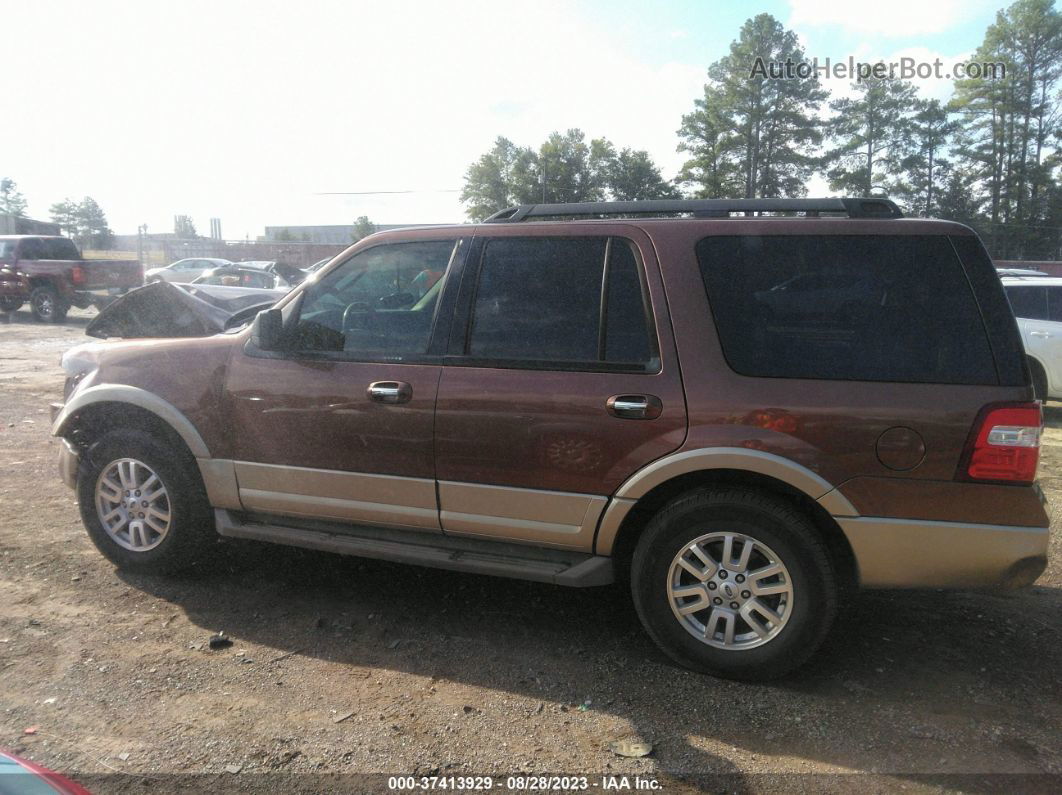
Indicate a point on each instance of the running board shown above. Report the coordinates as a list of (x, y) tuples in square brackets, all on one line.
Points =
[(498, 559)]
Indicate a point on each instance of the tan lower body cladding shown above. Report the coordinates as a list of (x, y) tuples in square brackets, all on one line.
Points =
[(339, 496), (546, 518)]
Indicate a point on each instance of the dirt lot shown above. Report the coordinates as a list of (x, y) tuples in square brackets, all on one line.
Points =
[(452, 674)]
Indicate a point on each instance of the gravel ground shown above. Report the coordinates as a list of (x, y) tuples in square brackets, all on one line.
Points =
[(342, 668)]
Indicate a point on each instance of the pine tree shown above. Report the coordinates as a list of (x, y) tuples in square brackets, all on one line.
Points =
[(926, 166), (751, 133), (873, 135), (1010, 124), (11, 200)]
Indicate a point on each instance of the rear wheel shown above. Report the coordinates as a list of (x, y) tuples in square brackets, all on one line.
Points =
[(47, 306), (144, 508), (735, 583)]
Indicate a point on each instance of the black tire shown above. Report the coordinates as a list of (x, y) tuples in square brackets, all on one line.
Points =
[(767, 519), (10, 304), (1039, 379), (47, 306), (190, 532)]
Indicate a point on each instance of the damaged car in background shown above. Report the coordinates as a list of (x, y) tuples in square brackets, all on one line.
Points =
[(166, 309)]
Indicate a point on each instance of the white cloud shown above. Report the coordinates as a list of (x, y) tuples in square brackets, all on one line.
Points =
[(246, 110), (892, 18), (931, 87)]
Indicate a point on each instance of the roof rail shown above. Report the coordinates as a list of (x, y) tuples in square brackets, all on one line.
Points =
[(702, 208)]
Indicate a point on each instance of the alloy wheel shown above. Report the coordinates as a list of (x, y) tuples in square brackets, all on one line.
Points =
[(730, 591), (133, 505)]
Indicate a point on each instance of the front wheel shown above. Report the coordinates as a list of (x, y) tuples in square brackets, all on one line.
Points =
[(11, 304), (47, 306), (735, 583), (144, 507)]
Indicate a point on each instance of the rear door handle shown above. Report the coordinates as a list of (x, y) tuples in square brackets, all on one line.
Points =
[(1041, 334), (634, 407), (390, 392)]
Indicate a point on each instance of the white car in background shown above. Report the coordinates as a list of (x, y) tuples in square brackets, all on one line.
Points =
[(1037, 305), (184, 270)]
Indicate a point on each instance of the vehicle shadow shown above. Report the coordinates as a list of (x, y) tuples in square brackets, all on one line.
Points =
[(925, 685)]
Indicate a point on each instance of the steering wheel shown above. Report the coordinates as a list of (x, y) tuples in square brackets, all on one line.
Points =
[(364, 308)]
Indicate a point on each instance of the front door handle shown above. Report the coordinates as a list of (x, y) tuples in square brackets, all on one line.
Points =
[(1041, 334), (390, 392), (634, 407)]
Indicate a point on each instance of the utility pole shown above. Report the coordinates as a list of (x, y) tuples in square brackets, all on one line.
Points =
[(543, 181), (141, 232)]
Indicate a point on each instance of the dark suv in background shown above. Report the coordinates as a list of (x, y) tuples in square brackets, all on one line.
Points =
[(743, 408)]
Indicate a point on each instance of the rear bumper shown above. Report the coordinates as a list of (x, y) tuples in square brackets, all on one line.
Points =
[(68, 463), (911, 553)]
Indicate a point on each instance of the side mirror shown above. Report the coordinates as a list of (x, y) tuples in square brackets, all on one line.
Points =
[(267, 330)]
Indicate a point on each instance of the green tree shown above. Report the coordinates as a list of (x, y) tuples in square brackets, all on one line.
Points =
[(490, 182), (711, 172), (84, 221), (11, 200), (926, 166), (958, 201), (363, 227), (632, 175), (753, 134), (184, 227), (565, 168), (873, 134), (1011, 124), (67, 214), (96, 233)]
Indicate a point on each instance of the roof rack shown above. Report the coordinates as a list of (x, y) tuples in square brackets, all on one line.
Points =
[(702, 208)]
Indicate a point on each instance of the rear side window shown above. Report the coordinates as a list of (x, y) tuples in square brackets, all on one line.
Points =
[(1054, 303), (31, 249), (561, 301), (59, 248), (846, 307), (1028, 302)]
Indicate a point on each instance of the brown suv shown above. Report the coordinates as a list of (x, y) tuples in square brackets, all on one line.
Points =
[(745, 408)]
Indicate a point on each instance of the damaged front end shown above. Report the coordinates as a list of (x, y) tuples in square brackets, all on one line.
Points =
[(162, 309)]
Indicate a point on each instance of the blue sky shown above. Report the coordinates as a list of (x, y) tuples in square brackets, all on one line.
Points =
[(248, 110), (701, 31)]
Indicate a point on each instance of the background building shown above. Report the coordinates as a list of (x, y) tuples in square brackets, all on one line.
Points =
[(13, 225)]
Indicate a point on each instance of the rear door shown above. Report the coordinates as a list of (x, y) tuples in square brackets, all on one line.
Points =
[(1052, 342), (561, 381), (1041, 336)]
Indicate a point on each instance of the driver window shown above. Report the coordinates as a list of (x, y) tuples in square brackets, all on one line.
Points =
[(380, 302)]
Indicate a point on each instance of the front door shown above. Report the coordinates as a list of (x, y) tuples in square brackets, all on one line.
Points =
[(559, 384), (339, 425)]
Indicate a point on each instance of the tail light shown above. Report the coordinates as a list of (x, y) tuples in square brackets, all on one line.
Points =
[(1004, 444), (77, 275)]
